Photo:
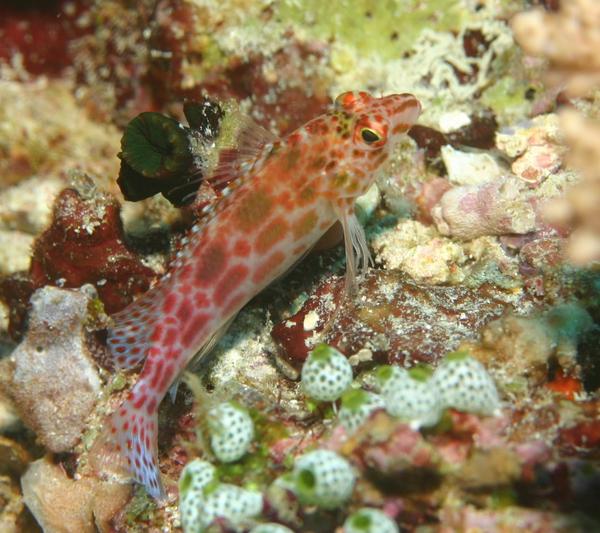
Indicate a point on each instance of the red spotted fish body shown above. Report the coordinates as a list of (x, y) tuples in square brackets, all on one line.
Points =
[(292, 193)]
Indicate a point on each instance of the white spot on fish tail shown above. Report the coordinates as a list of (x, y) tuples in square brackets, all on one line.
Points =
[(303, 134)]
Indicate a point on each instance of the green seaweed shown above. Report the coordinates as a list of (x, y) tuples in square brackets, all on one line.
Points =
[(141, 508), (507, 97), (253, 469)]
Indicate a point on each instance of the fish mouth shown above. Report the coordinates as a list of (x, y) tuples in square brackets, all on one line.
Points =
[(404, 110)]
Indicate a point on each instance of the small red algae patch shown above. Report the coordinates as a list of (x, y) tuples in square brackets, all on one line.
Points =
[(40, 32), (566, 385), (85, 244), (584, 435)]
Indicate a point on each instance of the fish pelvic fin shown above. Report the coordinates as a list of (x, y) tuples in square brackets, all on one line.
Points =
[(358, 256)]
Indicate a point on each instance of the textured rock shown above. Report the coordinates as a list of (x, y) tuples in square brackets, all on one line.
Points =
[(397, 319), (14, 458), (495, 208), (466, 168), (419, 251), (15, 249), (12, 519), (394, 454), (489, 468), (53, 380), (85, 244), (54, 500), (64, 505), (45, 131), (8, 417), (27, 207), (513, 518)]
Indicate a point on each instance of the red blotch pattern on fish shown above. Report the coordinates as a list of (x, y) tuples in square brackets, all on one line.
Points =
[(294, 192)]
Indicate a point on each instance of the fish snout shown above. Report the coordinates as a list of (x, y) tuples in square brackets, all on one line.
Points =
[(404, 110)]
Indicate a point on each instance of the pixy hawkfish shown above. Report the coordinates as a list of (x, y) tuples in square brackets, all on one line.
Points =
[(285, 194)]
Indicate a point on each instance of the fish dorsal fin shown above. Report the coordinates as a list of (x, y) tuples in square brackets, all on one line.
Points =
[(242, 148)]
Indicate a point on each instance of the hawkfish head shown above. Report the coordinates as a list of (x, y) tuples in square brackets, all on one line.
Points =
[(363, 130)]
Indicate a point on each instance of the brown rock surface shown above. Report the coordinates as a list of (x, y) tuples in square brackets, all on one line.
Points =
[(395, 318), (64, 505), (52, 378)]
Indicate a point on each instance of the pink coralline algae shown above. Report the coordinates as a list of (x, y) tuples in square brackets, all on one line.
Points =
[(85, 244), (496, 208)]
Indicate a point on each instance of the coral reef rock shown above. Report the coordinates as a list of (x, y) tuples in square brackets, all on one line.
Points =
[(85, 244), (568, 39), (420, 252), (397, 320), (63, 505), (495, 208), (53, 380)]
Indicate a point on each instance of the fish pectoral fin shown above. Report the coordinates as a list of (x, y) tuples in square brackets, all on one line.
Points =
[(358, 256), (201, 355), (242, 147)]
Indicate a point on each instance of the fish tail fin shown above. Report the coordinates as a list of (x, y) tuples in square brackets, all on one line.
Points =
[(134, 431)]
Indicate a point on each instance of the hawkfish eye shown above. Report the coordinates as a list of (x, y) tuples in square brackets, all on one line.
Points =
[(370, 136)]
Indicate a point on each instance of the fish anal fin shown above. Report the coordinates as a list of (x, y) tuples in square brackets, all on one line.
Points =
[(200, 356)]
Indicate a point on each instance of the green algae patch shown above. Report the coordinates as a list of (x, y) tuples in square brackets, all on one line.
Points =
[(420, 372), (140, 509), (507, 97), (386, 28), (118, 382), (255, 469), (354, 399), (96, 313), (458, 355)]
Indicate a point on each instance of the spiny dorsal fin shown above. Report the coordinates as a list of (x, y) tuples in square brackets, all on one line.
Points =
[(242, 147)]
